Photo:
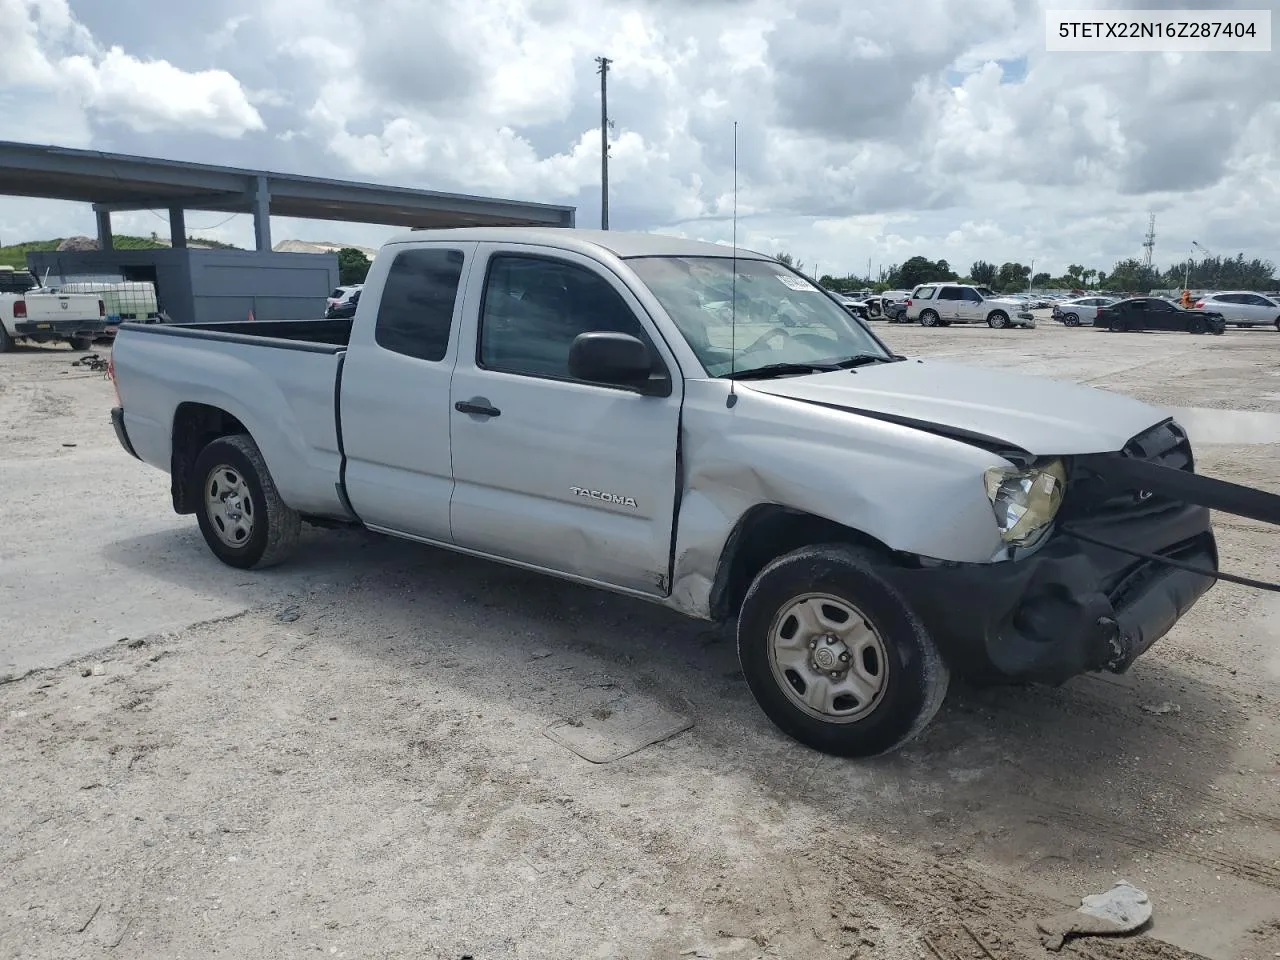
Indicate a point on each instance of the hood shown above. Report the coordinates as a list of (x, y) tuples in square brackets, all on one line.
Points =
[(978, 404)]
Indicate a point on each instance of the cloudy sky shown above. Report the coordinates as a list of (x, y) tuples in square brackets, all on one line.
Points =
[(867, 132)]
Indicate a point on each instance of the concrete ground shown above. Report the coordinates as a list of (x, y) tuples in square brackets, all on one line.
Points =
[(345, 756)]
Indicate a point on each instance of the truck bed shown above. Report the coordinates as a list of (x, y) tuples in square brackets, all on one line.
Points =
[(319, 336), (277, 378)]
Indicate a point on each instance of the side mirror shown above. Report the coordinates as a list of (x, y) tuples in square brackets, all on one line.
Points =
[(618, 359)]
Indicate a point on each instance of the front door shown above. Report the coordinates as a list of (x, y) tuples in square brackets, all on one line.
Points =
[(972, 307), (568, 476)]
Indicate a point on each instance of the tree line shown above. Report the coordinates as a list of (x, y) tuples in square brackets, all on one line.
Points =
[(1130, 275)]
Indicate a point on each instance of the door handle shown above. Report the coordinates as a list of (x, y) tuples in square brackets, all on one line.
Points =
[(480, 406)]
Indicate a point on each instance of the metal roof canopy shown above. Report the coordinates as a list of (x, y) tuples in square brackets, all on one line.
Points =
[(117, 182)]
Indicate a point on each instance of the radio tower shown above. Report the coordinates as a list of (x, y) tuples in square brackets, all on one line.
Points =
[(1149, 244)]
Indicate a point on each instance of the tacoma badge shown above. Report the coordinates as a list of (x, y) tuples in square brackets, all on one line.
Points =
[(604, 497)]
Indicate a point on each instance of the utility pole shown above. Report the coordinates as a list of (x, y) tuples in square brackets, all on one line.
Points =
[(603, 70)]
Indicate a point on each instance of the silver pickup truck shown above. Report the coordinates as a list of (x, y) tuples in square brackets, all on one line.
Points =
[(701, 428)]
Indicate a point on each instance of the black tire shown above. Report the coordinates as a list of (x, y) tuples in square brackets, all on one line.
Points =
[(913, 677), (997, 320), (1071, 320), (80, 343), (1196, 325), (1118, 325), (1277, 327), (928, 318), (273, 531), (6, 341), (1219, 331)]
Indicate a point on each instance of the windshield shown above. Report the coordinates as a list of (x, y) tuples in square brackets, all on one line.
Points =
[(781, 318)]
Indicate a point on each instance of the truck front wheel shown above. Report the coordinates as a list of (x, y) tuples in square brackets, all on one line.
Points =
[(241, 515), (835, 656)]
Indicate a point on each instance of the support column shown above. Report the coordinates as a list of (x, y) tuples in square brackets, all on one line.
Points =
[(177, 228), (262, 214), (104, 230)]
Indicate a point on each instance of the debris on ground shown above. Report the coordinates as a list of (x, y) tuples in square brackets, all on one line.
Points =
[(1122, 909), (1161, 709), (288, 614)]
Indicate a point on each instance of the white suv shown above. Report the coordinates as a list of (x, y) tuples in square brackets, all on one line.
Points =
[(1242, 308), (942, 304)]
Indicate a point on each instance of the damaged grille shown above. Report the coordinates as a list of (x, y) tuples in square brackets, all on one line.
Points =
[(1090, 497)]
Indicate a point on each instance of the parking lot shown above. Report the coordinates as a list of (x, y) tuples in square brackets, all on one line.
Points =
[(346, 755)]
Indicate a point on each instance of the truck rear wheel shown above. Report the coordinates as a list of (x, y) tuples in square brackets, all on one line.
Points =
[(6, 341), (80, 343), (835, 656), (241, 515)]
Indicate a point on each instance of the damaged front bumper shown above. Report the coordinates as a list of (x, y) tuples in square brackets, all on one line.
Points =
[(1072, 607)]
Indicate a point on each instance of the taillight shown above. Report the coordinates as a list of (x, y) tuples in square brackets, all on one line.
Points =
[(908, 301), (111, 375), (19, 309), (102, 309)]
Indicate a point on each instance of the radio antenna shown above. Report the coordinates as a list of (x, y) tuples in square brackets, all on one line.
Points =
[(733, 286)]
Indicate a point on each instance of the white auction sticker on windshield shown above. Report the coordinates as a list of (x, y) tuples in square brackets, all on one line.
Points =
[(796, 283)]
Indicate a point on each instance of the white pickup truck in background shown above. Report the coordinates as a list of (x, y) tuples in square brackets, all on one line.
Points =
[(702, 428), (40, 315)]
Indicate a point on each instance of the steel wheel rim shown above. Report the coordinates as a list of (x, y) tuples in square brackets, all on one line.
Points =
[(229, 505), (828, 658)]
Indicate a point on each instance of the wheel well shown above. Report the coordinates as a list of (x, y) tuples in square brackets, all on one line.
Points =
[(765, 533), (195, 426)]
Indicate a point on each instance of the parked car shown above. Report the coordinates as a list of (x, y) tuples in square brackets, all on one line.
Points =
[(1242, 308), (561, 400), (942, 304), (340, 295), (344, 309), (41, 315), (895, 305), (1081, 310), (1153, 313)]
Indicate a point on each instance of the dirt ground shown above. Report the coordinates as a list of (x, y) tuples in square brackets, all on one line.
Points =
[(346, 756)]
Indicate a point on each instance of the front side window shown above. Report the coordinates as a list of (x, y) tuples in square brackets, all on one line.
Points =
[(757, 315), (922, 293), (416, 310), (534, 308)]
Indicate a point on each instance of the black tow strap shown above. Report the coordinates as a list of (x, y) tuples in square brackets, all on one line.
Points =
[(1187, 487), (1169, 561), (1194, 488)]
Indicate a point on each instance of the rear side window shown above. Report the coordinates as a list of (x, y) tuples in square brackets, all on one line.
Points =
[(416, 310), (950, 293)]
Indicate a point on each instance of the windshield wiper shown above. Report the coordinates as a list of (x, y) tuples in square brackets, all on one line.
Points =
[(770, 370), (860, 359)]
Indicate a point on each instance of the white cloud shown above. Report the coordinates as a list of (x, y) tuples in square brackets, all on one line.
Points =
[(880, 131), (49, 50)]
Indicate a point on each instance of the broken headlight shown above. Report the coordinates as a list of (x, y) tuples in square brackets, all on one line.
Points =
[(1026, 499)]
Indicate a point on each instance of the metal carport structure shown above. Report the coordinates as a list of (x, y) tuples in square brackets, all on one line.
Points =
[(219, 284)]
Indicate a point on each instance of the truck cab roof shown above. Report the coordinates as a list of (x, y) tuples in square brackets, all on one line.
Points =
[(620, 243)]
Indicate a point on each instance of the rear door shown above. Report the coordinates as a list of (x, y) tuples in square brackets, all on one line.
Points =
[(394, 402), (1163, 315), (949, 302), (572, 477)]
